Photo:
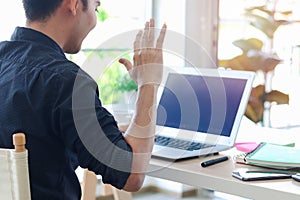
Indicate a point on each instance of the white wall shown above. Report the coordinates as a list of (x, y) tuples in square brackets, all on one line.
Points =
[(192, 30), (201, 31), (11, 15)]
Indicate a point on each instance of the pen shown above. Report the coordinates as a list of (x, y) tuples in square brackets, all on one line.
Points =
[(214, 161)]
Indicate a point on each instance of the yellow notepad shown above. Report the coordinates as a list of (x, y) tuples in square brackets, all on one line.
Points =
[(274, 155)]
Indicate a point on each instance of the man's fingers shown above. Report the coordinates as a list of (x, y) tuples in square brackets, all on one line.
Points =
[(145, 35), (161, 37), (126, 63), (137, 42), (151, 33)]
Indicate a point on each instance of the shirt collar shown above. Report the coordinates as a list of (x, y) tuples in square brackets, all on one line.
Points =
[(31, 35)]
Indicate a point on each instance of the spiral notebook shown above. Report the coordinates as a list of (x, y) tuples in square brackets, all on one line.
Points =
[(274, 155)]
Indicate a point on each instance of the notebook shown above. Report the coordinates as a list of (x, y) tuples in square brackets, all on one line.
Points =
[(199, 111), (269, 154)]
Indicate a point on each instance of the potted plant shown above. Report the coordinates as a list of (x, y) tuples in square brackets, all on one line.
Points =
[(255, 58), (128, 87)]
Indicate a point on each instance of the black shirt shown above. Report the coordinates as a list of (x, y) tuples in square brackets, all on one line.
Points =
[(56, 105)]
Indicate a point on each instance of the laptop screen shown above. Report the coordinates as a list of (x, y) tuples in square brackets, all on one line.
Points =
[(207, 104)]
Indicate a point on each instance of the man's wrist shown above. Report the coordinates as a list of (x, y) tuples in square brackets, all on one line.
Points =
[(149, 86)]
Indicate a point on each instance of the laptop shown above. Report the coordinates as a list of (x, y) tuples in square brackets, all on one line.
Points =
[(199, 111)]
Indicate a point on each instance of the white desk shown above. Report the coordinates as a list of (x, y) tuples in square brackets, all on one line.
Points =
[(218, 177)]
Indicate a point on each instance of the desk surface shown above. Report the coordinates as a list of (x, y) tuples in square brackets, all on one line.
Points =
[(218, 177)]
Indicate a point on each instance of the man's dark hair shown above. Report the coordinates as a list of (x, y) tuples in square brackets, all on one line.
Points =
[(38, 10)]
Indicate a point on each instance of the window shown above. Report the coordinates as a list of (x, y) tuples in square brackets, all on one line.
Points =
[(114, 38)]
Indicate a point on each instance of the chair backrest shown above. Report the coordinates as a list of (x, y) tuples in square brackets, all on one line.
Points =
[(88, 185), (14, 175)]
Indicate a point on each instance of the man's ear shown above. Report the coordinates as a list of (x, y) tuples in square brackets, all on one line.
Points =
[(73, 6)]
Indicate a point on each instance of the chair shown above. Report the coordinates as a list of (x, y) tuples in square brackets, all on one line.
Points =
[(14, 175), (89, 185)]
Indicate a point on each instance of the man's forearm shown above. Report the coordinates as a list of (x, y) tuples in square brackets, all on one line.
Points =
[(140, 134)]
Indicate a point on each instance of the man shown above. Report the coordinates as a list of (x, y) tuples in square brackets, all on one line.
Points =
[(56, 104)]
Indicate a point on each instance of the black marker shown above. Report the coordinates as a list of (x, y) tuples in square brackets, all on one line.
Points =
[(214, 161)]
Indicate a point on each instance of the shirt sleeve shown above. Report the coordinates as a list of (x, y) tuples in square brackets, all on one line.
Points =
[(89, 131)]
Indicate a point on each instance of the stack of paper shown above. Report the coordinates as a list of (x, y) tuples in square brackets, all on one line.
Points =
[(272, 156)]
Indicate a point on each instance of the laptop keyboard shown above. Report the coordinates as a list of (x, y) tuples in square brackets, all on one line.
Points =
[(179, 144)]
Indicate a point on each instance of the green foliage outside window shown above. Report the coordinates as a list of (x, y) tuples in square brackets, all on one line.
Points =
[(114, 81), (102, 15)]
